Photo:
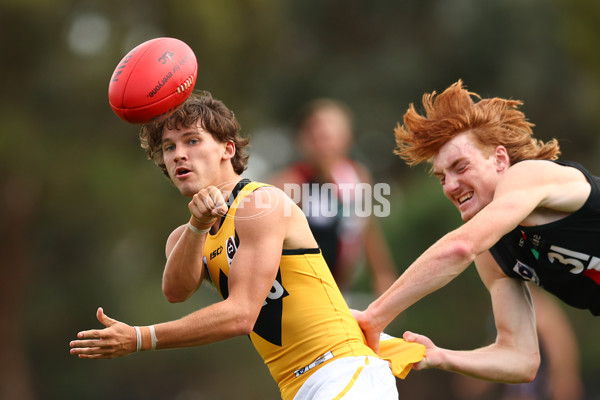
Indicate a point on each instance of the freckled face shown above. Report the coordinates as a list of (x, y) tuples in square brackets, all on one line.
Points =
[(468, 176), (192, 157)]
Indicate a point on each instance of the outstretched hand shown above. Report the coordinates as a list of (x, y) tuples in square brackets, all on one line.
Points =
[(372, 334), (116, 340)]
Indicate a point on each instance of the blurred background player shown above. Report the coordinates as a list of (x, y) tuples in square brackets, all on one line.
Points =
[(324, 138)]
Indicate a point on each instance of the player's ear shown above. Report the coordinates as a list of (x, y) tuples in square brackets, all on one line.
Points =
[(502, 158), (229, 150)]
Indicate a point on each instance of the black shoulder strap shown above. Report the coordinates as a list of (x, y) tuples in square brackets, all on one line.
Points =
[(236, 190)]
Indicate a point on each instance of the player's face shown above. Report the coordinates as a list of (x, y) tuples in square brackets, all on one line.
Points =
[(325, 136), (193, 158), (467, 174)]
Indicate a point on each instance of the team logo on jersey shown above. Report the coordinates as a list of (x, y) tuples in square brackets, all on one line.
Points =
[(526, 272), (230, 248)]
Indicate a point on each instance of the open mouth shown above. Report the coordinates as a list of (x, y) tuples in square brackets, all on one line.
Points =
[(181, 171), (464, 198)]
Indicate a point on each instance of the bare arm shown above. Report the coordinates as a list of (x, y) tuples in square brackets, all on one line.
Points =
[(524, 188), (184, 270), (253, 271), (252, 274), (436, 267), (514, 356)]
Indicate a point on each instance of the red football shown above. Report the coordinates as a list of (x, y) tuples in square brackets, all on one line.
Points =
[(152, 80)]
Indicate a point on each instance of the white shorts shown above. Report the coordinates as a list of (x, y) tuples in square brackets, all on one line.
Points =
[(351, 378)]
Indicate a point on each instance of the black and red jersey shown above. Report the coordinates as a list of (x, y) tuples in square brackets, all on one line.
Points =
[(563, 257)]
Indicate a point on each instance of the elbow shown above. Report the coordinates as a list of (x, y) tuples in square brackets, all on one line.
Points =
[(174, 298), (531, 368), (527, 372), (244, 330), (242, 320), (462, 250), (173, 295), (243, 325)]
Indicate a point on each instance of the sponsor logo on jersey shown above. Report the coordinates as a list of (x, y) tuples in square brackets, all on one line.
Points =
[(216, 252), (318, 361)]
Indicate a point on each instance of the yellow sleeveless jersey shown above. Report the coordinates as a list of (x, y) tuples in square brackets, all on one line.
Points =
[(304, 322)]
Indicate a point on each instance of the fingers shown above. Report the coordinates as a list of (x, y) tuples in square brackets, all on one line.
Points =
[(220, 210), (92, 334), (92, 356), (356, 314), (409, 336), (216, 202), (371, 335), (100, 314), (96, 343), (105, 319), (414, 337), (78, 346), (90, 349), (373, 342), (88, 345), (208, 204), (425, 341), (101, 343), (421, 339), (372, 338)]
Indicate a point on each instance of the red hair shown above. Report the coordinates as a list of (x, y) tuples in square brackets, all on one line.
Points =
[(493, 122)]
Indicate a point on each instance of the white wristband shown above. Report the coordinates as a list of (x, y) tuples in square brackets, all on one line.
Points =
[(153, 336), (138, 336), (196, 230)]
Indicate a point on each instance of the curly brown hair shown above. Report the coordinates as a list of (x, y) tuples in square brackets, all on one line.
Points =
[(493, 122), (214, 117)]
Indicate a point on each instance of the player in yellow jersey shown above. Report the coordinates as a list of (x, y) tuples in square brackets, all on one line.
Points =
[(256, 247)]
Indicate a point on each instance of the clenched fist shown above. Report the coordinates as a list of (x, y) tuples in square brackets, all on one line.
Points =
[(207, 205)]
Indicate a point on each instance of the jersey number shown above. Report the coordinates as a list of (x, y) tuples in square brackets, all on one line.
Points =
[(573, 259)]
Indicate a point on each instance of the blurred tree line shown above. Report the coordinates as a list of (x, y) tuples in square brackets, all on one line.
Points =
[(84, 215)]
